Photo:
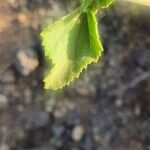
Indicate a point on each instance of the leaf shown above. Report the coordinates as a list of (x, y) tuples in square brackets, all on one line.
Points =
[(105, 3), (71, 44), (86, 3)]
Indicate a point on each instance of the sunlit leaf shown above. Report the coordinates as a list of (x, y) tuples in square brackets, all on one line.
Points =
[(71, 44), (105, 3)]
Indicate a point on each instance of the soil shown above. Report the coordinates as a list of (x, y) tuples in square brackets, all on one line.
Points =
[(107, 108)]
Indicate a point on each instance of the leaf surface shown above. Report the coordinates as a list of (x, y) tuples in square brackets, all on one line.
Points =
[(71, 44), (105, 3)]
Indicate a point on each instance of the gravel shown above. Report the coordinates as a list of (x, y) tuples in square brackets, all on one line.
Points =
[(26, 61)]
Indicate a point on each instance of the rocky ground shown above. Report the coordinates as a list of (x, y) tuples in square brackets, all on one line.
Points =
[(107, 108)]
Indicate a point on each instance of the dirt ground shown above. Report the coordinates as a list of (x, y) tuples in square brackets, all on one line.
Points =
[(107, 108)]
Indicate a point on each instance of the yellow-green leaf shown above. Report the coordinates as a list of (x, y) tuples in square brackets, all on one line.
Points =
[(71, 44), (105, 3)]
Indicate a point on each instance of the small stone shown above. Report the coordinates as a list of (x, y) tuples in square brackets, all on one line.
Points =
[(3, 101), (118, 102), (17, 3), (83, 91), (26, 61), (23, 19), (77, 133), (12, 1), (137, 110)]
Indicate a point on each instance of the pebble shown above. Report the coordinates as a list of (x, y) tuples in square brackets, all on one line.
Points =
[(23, 19), (118, 102), (137, 110), (83, 91), (3, 101), (77, 133), (26, 61)]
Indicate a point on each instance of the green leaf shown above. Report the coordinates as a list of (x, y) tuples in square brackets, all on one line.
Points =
[(105, 3), (71, 44), (86, 3)]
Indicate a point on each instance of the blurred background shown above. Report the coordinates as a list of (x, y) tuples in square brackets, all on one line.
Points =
[(107, 108)]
